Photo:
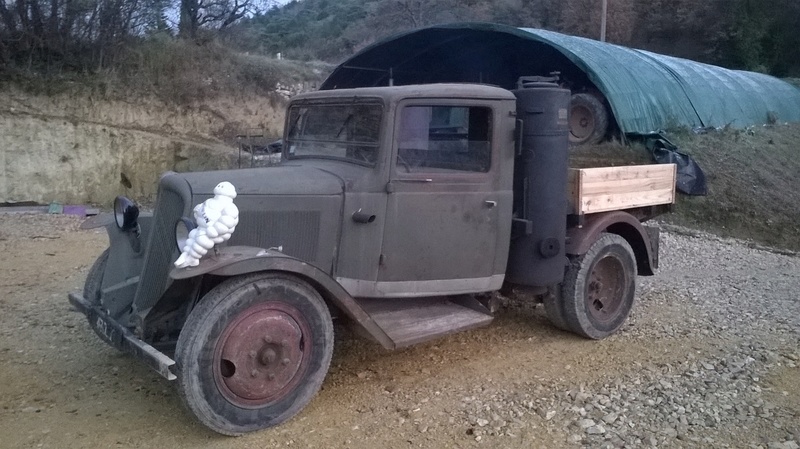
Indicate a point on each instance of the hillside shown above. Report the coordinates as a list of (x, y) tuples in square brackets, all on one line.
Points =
[(756, 35), (87, 138)]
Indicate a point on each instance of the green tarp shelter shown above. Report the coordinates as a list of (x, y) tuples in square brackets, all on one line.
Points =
[(646, 92)]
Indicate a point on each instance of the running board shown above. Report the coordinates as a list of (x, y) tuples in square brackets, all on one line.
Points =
[(414, 320)]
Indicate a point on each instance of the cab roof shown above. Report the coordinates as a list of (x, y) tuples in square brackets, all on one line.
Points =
[(395, 93)]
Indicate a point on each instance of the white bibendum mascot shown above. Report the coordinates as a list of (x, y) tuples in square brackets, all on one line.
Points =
[(216, 219)]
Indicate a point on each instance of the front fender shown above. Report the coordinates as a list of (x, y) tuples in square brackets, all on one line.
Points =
[(236, 260), (239, 260), (643, 239)]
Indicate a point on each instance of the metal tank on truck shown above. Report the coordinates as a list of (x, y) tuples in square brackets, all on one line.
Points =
[(540, 174)]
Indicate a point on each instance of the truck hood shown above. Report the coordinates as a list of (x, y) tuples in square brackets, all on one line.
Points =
[(286, 179), (294, 209)]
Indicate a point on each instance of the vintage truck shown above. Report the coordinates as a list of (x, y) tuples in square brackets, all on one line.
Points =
[(394, 210)]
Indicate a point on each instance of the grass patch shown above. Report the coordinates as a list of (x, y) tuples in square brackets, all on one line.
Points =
[(752, 185)]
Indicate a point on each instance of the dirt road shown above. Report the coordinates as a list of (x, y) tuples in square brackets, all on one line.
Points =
[(708, 359)]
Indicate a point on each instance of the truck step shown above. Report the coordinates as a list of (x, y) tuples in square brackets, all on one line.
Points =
[(414, 320)]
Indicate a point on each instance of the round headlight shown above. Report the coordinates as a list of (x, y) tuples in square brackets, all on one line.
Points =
[(125, 213), (182, 229)]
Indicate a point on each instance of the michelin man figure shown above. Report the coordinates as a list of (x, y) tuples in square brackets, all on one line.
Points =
[(216, 219)]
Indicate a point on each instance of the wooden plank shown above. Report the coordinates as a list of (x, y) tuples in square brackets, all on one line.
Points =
[(627, 172), (602, 189)]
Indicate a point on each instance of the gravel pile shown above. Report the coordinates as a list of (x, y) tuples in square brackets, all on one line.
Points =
[(742, 299)]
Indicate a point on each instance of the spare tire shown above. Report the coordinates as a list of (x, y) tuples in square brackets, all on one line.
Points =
[(588, 119)]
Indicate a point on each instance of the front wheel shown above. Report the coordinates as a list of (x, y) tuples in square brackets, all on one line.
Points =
[(254, 352), (599, 287), (91, 290), (94, 279)]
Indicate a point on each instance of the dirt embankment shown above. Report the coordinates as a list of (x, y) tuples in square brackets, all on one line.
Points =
[(77, 148)]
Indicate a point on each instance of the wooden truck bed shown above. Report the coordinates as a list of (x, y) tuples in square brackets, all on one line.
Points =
[(592, 190)]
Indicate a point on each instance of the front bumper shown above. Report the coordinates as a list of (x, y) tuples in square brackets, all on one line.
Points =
[(122, 338)]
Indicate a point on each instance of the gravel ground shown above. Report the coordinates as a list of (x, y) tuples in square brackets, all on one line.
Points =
[(744, 393), (709, 358), (732, 315)]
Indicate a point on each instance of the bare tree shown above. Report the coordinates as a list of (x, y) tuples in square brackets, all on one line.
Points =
[(77, 33), (218, 14)]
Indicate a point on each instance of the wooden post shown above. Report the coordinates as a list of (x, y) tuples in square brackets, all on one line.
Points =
[(603, 21)]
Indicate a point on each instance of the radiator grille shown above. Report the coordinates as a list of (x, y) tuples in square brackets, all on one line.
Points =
[(296, 231), (161, 249)]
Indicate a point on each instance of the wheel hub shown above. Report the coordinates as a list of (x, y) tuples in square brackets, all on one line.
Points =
[(604, 296), (581, 122), (259, 355)]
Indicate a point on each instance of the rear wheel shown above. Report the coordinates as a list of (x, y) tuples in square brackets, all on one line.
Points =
[(599, 288), (254, 352), (588, 119)]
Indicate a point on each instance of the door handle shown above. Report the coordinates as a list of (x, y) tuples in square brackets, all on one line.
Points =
[(363, 217), (490, 204)]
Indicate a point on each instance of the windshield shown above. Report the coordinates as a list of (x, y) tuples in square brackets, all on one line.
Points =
[(348, 132)]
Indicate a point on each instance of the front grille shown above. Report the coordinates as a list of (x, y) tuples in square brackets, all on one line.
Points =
[(296, 231), (161, 249)]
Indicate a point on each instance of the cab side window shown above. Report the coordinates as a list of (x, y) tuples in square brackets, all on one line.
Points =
[(444, 139)]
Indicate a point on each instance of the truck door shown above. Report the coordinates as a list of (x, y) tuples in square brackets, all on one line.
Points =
[(447, 211)]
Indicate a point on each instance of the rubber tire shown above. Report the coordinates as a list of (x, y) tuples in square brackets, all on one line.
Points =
[(553, 308), (599, 126), (574, 289), (199, 336)]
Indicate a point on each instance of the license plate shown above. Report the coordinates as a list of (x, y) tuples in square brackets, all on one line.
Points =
[(107, 330)]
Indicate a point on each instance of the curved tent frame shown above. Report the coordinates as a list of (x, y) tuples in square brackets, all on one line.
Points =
[(646, 91)]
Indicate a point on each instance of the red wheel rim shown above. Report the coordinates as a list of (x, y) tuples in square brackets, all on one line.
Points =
[(605, 289), (261, 355)]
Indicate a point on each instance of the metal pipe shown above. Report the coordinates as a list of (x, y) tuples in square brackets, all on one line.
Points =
[(603, 21)]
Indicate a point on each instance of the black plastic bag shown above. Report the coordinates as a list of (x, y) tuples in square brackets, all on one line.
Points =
[(690, 177)]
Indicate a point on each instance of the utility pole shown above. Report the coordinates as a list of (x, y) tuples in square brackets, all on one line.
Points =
[(603, 21)]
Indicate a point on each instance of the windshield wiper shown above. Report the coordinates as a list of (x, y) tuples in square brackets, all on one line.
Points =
[(294, 123), (344, 125)]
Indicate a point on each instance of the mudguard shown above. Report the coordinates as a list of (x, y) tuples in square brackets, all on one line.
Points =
[(238, 260), (643, 239)]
